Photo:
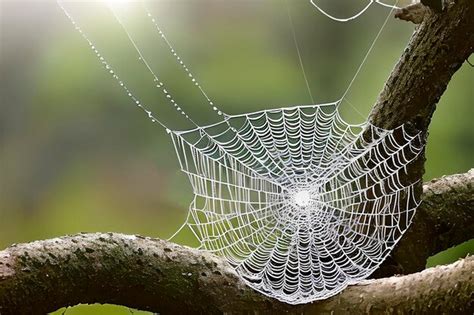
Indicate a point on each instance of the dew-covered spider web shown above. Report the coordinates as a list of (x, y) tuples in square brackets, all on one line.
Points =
[(300, 202)]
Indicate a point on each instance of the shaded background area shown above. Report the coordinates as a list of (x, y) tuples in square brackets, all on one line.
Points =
[(77, 155)]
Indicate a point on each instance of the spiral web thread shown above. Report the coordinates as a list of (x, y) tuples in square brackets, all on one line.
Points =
[(300, 202)]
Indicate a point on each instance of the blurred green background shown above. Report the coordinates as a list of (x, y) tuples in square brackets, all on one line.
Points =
[(77, 155)]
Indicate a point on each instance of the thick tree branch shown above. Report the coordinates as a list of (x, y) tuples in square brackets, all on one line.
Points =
[(439, 46), (156, 275), (444, 219), (160, 276)]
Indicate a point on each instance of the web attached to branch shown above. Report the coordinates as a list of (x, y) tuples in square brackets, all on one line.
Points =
[(300, 202)]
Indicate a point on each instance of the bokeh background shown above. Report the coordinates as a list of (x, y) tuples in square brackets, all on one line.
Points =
[(77, 155)]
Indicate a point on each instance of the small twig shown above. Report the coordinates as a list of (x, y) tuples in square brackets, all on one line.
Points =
[(413, 13)]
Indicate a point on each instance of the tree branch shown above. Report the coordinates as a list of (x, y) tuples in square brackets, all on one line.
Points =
[(156, 275), (444, 219), (152, 274), (414, 13), (437, 49)]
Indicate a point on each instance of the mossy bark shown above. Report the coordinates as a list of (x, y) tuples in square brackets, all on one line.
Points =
[(156, 275), (159, 276)]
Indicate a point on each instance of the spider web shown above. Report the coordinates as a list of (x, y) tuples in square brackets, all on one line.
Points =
[(300, 202)]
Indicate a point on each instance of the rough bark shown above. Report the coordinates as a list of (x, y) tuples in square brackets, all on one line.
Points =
[(439, 46), (444, 219), (437, 49), (414, 13), (159, 276), (156, 275)]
